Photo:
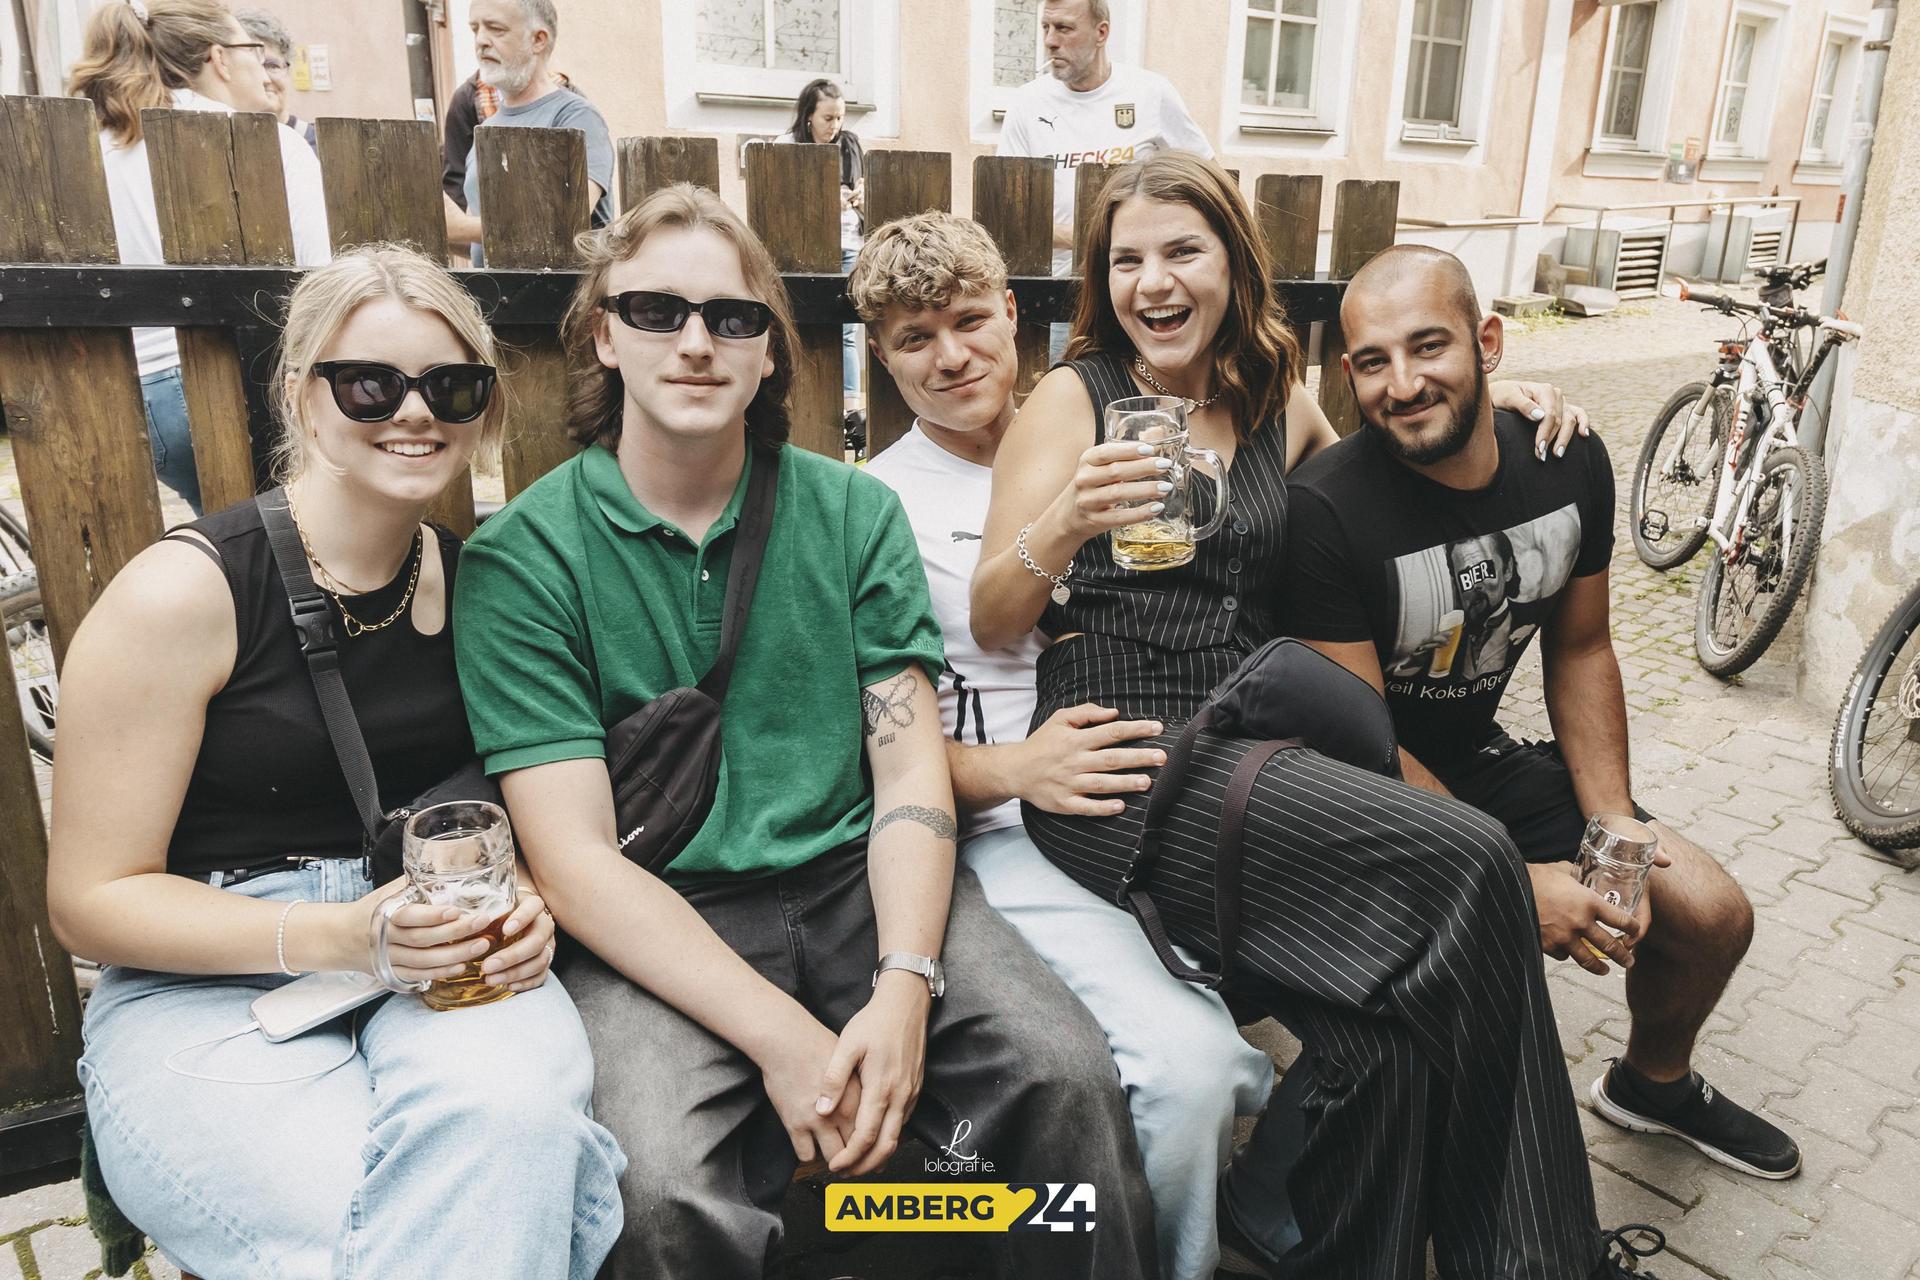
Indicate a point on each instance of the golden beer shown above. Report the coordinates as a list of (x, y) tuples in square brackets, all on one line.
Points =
[(1454, 624), (469, 989), (1153, 544)]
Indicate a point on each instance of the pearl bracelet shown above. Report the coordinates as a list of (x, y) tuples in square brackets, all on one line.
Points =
[(280, 938)]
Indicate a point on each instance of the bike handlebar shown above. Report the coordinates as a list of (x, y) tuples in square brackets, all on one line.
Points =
[(1794, 317)]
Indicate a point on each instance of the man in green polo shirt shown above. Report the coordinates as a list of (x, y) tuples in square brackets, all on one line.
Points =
[(778, 995)]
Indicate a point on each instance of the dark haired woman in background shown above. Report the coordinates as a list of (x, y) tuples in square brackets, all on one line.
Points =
[(820, 115)]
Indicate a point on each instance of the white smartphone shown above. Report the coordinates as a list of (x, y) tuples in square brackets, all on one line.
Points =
[(312, 1001)]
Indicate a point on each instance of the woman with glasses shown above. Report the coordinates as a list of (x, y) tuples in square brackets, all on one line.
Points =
[(190, 55), (206, 849)]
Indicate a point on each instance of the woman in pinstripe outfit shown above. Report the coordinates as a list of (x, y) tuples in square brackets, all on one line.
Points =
[(1390, 928)]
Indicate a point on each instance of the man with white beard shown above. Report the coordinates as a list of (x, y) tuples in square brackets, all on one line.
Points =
[(514, 40)]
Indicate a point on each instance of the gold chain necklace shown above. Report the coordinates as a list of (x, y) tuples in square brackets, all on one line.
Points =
[(353, 625), (1146, 376)]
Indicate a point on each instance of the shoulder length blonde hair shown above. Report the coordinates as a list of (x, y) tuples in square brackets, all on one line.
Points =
[(321, 303), (128, 63), (1256, 358), (595, 393)]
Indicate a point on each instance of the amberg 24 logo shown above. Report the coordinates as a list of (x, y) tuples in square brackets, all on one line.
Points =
[(961, 1206)]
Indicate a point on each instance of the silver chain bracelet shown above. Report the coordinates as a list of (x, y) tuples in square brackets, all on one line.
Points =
[(1061, 593)]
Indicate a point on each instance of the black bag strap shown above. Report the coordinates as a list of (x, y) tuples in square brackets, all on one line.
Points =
[(743, 572), (313, 623), (1229, 848)]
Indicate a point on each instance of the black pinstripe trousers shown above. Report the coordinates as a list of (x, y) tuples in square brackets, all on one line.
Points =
[(1393, 931)]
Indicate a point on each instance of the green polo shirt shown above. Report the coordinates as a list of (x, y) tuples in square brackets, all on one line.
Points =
[(575, 605)]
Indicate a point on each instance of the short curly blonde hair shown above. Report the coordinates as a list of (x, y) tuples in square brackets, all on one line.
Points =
[(924, 261)]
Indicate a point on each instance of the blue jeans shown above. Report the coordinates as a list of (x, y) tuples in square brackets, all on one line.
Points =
[(1185, 1068), (449, 1144), (850, 343), (169, 436)]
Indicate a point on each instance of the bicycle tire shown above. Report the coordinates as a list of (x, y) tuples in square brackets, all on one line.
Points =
[(1678, 545), (16, 548), (1809, 499), (1880, 825), (23, 623)]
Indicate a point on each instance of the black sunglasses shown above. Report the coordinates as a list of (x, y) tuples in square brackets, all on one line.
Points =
[(369, 391), (654, 312)]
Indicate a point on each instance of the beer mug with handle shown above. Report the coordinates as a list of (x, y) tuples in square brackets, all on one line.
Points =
[(458, 854), (1168, 538)]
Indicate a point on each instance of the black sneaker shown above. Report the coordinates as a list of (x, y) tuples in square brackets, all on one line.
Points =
[(1721, 1128), (1614, 1267)]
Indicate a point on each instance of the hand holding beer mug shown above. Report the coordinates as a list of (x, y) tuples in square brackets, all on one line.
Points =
[(1168, 537), (1617, 854), (457, 855)]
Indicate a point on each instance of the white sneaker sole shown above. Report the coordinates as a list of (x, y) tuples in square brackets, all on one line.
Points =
[(1614, 1113)]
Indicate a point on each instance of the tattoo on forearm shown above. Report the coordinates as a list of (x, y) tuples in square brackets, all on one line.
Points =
[(892, 707), (938, 821)]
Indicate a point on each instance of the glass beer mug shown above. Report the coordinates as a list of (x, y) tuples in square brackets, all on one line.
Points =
[(458, 854), (1169, 537)]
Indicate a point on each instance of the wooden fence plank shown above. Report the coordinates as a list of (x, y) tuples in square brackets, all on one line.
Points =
[(1365, 214), (1013, 200), (1286, 206), (1087, 181), (793, 205), (72, 403), (221, 196), (648, 164), (899, 185), (382, 185), (533, 201)]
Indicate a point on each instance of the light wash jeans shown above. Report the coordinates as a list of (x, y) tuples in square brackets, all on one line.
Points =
[(450, 1144), (169, 436), (1185, 1068), (851, 335)]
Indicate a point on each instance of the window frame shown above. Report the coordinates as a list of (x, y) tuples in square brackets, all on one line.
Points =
[(1645, 154), (1243, 13), (708, 96), (1761, 89), (1464, 143), (1850, 34), (1613, 71)]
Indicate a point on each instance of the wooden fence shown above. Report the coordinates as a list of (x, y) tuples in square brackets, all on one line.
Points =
[(71, 397)]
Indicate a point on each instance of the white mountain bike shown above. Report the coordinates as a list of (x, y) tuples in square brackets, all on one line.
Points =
[(1769, 497)]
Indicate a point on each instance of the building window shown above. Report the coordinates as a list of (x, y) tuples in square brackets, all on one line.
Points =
[(1277, 70), (1436, 62), (1016, 42), (1735, 81), (1627, 73), (784, 35), (1825, 85)]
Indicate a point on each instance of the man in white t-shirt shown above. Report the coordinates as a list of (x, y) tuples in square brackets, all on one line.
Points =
[(1085, 109), (932, 290)]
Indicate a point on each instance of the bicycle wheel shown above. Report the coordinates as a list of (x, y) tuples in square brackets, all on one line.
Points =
[(1742, 606), (1678, 474), (16, 550), (31, 651), (1875, 771)]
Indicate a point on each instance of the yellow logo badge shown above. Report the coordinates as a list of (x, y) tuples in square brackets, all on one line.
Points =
[(1123, 115), (960, 1206)]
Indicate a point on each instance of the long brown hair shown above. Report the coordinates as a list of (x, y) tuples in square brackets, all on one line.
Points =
[(129, 62), (595, 393), (1256, 358)]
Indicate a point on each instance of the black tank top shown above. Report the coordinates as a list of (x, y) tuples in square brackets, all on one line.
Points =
[(1158, 641), (266, 784)]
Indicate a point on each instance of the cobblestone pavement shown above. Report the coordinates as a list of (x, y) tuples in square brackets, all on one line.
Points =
[(1821, 1027)]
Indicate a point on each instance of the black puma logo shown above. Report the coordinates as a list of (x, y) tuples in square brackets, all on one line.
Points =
[(1043, 120)]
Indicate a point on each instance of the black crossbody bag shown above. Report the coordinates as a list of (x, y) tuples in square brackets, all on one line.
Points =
[(1286, 694), (664, 759), (320, 645)]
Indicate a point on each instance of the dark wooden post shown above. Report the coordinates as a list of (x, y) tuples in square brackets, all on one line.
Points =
[(72, 396), (899, 185), (533, 201), (1013, 200), (72, 402), (221, 194), (382, 186), (648, 164), (1365, 214), (1287, 208), (793, 205), (1087, 181)]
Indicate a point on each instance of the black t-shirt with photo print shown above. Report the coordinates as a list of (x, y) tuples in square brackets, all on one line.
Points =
[(1450, 585)]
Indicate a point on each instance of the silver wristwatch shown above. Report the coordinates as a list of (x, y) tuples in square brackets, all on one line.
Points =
[(927, 967)]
